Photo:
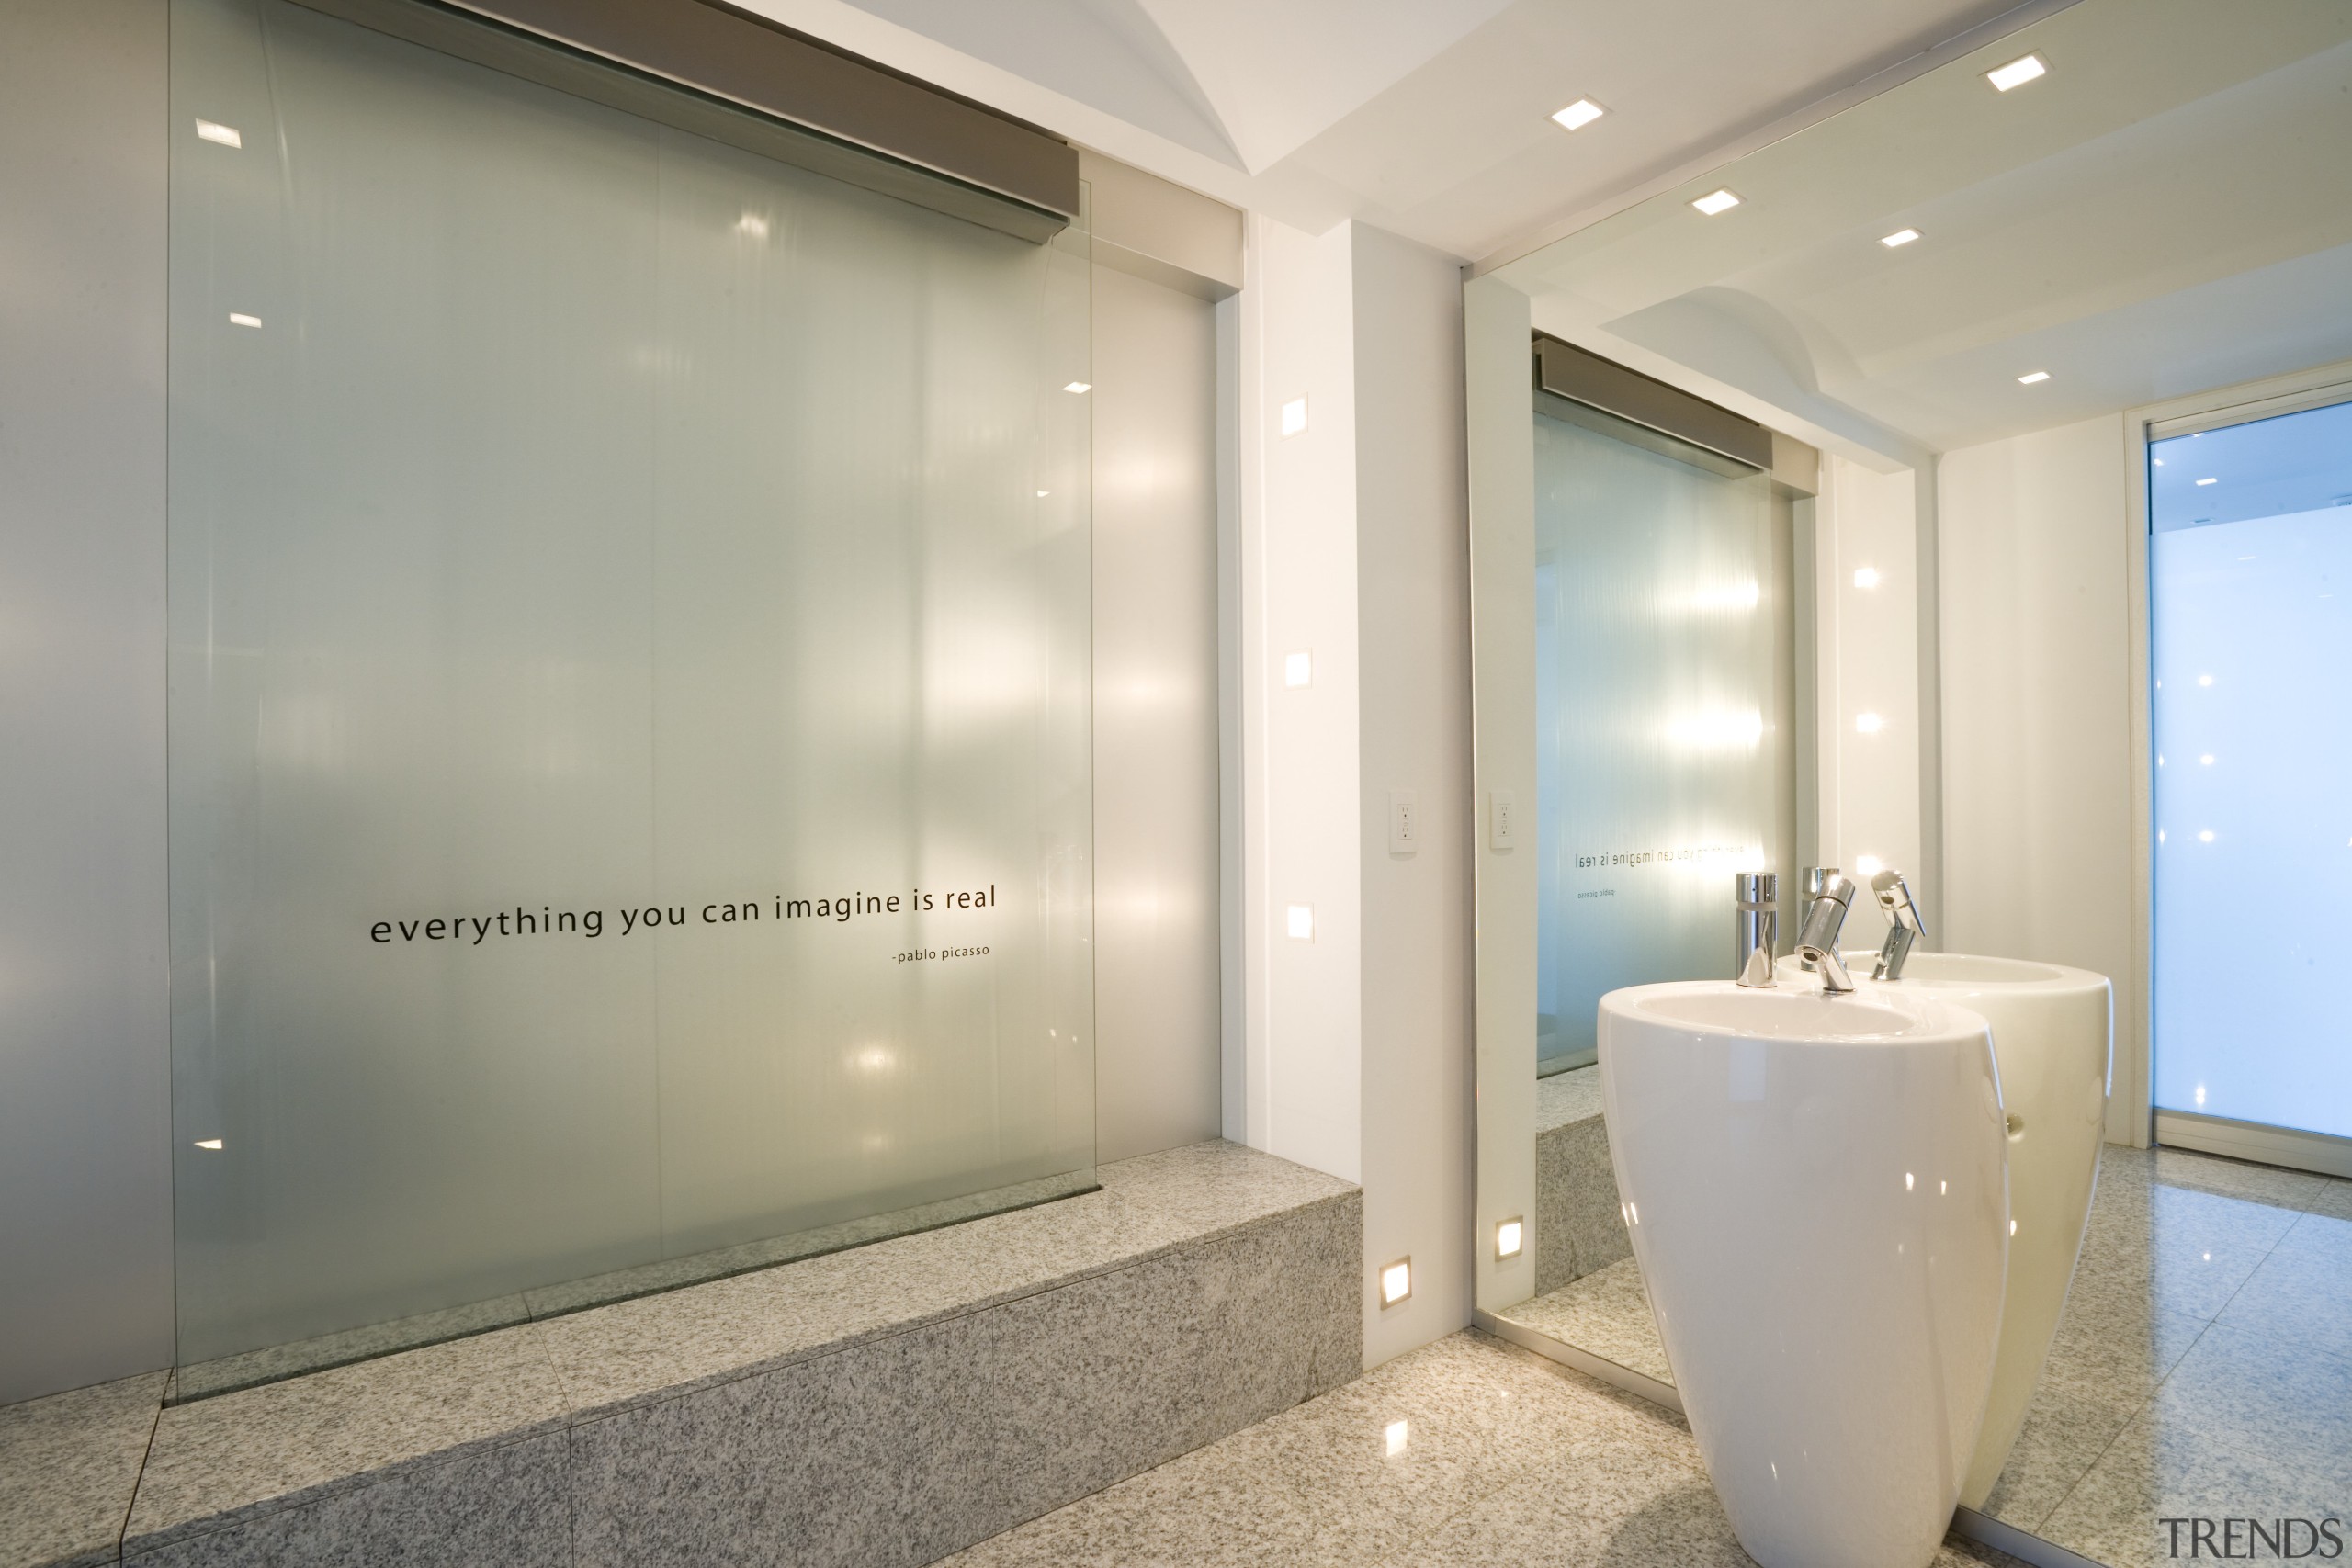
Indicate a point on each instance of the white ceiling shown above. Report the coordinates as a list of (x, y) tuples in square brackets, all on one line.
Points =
[(2169, 211), (1428, 118)]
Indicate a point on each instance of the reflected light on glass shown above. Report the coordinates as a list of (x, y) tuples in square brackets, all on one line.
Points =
[(2206, 837), (1906, 1182), (1866, 577), (2201, 1094), (2204, 680), (2207, 759), (215, 1143), (2017, 72), (2214, 482), (1078, 387), (1723, 729), (1579, 115), (1868, 724), (1868, 865), (1716, 201), (226, 136), (752, 224), (239, 318), (1731, 596), (1299, 921)]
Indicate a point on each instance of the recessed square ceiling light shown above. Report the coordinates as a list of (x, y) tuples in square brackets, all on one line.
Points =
[(2031, 377), (1579, 115), (1900, 237), (2017, 72), (1716, 201)]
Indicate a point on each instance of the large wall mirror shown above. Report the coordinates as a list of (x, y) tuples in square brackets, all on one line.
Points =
[(1833, 521)]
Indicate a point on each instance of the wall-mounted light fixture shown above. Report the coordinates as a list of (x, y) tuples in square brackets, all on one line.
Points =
[(1298, 669), (1866, 577), (1299, 921), (1294, 417), (1868, 724), (1395, 1281), (1510, 1235)]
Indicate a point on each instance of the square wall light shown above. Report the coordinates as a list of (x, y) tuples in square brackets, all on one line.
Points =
[(1511, 1236), (1294, 417), (1395, 1281), (1298, 669), (1298, 919)]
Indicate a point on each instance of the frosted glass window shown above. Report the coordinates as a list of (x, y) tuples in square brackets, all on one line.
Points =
[(629, 699), (2250, 583), (1663, 763)]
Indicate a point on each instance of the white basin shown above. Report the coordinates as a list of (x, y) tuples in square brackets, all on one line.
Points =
[(2053, 1030), (1816, 1191)]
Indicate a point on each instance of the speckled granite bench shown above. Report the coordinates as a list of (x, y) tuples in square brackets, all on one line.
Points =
[(885, 1405), (1578, 1227)]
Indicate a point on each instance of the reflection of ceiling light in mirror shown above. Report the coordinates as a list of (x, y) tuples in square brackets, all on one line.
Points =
[(754, 225), (2204, 680), (207, 1143), (1899, 237), (226, 135), (1734, 596), (2032, 377), (239, 318), (1869, 723), (1866, 577), (2207, 759), (1579, 115), (1043, 493), (2017, 72), (2206, 837), (1716, 201)]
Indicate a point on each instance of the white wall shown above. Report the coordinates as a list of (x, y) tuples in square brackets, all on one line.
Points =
[(1355, 550), (1867, 661), (2036, 692), (85, 1208), (1156, 776), (1413, 699)]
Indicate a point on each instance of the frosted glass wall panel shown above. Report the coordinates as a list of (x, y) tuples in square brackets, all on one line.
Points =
[(631, 761), (2250, 582), (1662, 757)]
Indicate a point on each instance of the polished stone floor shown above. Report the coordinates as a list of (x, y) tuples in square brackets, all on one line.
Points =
[(1468, 1452), (2203, 1366)]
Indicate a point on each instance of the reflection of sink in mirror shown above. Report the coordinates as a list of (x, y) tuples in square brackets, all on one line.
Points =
[(1818, 1199), (2052, 1027)]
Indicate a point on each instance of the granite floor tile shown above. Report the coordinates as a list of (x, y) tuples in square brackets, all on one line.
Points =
[(2297, 1303), (2191, 1275), (1607, 1313), (2117, 1351), (2263, 1395), (2335, 1200), (2184, 1217), (2235, 1179), (67, 1466), (2063, 1433), (508, 1505), (2157, 1469), (223, 1460), (1564, 1098), (2321, 1235)]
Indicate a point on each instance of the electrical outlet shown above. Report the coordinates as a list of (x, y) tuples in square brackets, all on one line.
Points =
[(1501, 829), (1404, 822)]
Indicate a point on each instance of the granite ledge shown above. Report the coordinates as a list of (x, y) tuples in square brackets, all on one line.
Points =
[(218, 1464)]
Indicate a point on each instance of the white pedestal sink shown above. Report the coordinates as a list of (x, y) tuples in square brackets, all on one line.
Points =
[(1816, 1192), (2053, 1030)]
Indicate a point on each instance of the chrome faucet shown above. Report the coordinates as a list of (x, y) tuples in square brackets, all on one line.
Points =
[(1825, 919), (1904, 925), (1814, 878), (1757, 894)]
